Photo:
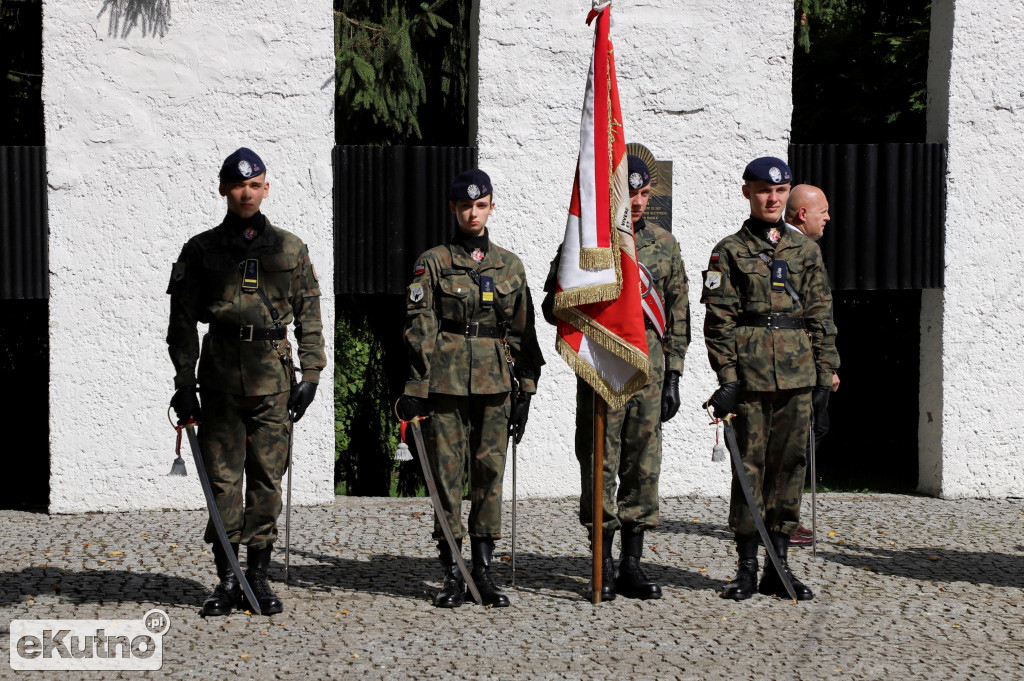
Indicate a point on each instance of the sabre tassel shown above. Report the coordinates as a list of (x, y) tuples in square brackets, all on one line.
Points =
[(178, 467)]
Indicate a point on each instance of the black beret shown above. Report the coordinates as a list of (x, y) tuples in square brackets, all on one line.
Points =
[(639, 173), (241, 165), (471, 184), (768, 168)]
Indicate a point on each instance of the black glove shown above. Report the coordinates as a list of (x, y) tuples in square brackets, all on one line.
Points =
[(410, 407), (670, 396), (819, 404), (301, 397), (186, 405), (517, 421), (724, 401)]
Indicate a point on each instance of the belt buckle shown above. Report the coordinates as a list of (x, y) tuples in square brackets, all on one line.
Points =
[(772, 321), (241, 333), (473, 328)]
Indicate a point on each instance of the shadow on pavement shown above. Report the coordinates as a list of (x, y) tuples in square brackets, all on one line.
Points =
[(565, 577), (701, 529), (101, 586), (933, 564)]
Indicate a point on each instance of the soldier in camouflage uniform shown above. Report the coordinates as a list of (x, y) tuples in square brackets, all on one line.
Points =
[(468, 302), (632, 459), (770, 340), (248, 280)]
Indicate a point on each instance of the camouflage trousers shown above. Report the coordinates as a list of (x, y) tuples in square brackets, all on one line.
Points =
[(771, 431), (245, 435), (469, 431), (632, 454)]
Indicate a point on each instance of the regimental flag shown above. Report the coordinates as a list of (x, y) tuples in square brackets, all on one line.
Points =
[(601, 325)]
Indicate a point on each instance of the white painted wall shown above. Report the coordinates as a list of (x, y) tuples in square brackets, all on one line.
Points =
[(143, 101), (972, 444), (705, 84)]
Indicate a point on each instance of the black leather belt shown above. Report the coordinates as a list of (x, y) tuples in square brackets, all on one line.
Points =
[(770, 321), (247, 333), (471, 329)]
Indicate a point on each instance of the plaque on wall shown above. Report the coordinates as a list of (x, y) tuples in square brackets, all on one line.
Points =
[(659, 208)]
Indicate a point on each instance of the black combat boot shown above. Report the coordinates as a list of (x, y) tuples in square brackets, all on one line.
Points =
[(632, 582), (483, 549), (771, 584), (256, 564), (226, 593), (451, 593), (607, 567), (742, 585)]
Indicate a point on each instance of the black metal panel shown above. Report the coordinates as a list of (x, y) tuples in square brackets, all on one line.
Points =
[(23, 244), (390, 205), (888, 207)]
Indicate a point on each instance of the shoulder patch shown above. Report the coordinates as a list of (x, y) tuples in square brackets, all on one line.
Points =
[(714, 280), (419, 269), (715, 255), (416, 292)]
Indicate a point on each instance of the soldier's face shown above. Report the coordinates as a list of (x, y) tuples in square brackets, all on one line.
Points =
[(638, 199), (767, 200), (245, 196), (472, 214)]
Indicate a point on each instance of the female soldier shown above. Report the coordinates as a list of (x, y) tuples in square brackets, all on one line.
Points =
[(468, 305)]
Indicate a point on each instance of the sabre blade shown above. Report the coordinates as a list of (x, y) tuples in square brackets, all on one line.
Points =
[(421, 452), (748, 494), (218, 523)]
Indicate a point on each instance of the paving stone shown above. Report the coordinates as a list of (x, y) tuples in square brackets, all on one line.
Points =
[(905, 586)]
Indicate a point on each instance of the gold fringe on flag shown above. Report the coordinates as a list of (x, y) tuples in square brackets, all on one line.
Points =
[(597, 258)]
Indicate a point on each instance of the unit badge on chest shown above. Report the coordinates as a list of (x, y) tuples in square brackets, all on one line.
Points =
[(477, 255)]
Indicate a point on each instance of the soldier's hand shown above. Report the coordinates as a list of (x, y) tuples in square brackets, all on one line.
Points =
[(410, 407), (517, 421), (670, 396), (725, 399), (186, 405), (301, 397)]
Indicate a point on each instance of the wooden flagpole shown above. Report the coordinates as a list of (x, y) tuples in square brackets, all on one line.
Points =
[(597, 519)]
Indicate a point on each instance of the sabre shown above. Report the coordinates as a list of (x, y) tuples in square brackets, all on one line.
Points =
[(288, 507), (814, 494), (218, 523), (748, 494), (514, 446), (421, 452)]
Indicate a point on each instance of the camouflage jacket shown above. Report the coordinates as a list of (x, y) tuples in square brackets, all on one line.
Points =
[(658, 251), (206, 286), (738, 281), (451, 363)]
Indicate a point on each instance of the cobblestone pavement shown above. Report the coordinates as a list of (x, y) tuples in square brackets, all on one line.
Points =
[(906, 587)]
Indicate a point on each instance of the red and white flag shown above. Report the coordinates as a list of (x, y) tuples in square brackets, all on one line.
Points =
[(601, 324)]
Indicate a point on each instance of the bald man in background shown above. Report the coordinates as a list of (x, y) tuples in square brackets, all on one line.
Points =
[(807, 213)]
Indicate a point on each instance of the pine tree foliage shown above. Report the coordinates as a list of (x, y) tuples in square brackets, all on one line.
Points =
[(21, 63), (392, 57), (860, 70)]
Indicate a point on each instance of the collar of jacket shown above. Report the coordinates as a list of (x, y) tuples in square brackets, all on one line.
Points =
[(756, 244), (492, 259), (642, 234), (269, 239)]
